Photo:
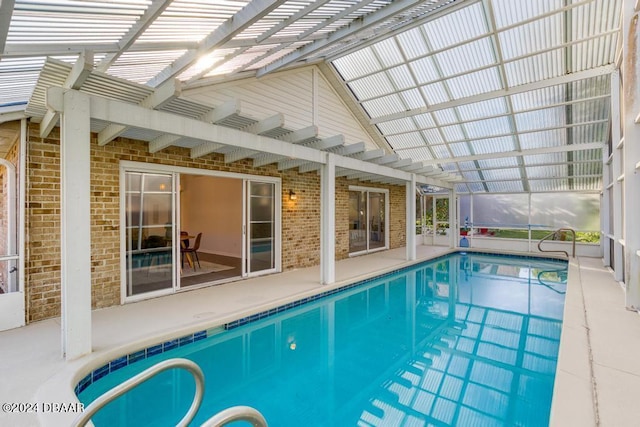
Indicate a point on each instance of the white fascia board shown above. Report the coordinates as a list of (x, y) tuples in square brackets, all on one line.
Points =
[(126, 114)]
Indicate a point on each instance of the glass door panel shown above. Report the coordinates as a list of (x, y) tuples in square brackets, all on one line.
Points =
[(376, 221), (261, 227), (149, 213), (357, 221)]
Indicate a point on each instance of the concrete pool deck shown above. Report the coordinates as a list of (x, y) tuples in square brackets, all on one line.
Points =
[(597, 360)]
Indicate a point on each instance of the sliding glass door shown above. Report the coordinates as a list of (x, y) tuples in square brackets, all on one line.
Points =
[(149, 219), (261, 227), (368, 212)]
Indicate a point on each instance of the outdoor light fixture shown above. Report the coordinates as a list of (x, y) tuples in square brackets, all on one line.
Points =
[(292, 195)]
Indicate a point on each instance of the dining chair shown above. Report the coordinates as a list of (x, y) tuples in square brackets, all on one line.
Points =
[(194, 249)]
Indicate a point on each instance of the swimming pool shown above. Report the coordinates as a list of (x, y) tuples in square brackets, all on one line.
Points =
[(466, 339)]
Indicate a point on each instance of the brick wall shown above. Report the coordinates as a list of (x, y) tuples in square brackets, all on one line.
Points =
[(300, 218)]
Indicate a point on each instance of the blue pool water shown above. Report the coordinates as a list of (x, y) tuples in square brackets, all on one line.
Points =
[(465, 340)]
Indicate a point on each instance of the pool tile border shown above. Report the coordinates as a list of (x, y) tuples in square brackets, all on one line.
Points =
[(156, 349)]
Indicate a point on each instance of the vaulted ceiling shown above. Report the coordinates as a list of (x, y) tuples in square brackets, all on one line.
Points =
[(511, 95)]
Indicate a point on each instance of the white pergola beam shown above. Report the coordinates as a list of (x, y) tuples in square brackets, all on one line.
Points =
[(298, 137), (361, 24), (162, 142), (529, 152), (241, 20), (344, 150), (204, 149), (79, 73), (223, 112), (6, 11), (567, 78), (259, 128), (157, 99)]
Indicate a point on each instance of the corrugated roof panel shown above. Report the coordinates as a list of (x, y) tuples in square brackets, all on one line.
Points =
[(587, 184), (441, 151), (467, 165), (479, 110), (543, 139), (493, 145), (588, 168), (435, 93), (468, 22), (476, 187), (141, 67), (533, 37), (476, 55), (425, 121), (467, 85), (425, 70), (388, 52), (68, 21), (535, 68), (593, 154), (461, 188), (401, 77), (488, 127), (413, 43), (471, 175), (594, 53), (551, 171), (508, 12), (460, 149), (453, 133), (590, 110), (546, 185), (413, 99), (190, 20), (598, 132), (396, 126), (538, 98), (382, 106), (505, 187), (357, 64), (588, 88), (416, 154), (539, 159), (405, 140), (432, 136), (501, 174), (450, 167), (541, 119), (371, 86), (446, 116), (501, 162)]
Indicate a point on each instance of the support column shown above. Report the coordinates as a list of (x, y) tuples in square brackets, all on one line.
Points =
[(616, 168), (631, 170), (75, 160), (328, 220), (410, 239), (453, 225)]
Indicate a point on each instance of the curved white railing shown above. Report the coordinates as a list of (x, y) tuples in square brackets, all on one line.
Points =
[(236, 413), (143, 376), (556, 233)]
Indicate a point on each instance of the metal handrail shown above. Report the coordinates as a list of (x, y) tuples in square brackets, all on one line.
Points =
[(555, 233), (143, 376), (237, 413)]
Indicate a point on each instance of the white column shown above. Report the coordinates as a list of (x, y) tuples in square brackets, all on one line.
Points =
[(605, 202), (410, 239), (328, 220), (75, 159), (631, 170), (616, 168), (453, 226)]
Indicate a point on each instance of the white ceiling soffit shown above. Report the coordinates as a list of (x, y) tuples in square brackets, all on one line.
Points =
[(517, 84)]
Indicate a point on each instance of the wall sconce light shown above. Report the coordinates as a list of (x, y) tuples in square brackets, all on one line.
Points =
[(292, 195)]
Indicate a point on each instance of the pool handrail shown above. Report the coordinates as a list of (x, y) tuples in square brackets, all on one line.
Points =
[(555, 233), (236, 413), (143, 376)]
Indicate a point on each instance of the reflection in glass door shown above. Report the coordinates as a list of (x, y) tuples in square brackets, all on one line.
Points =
[(367, 220), (261, 227), (149, 212)]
